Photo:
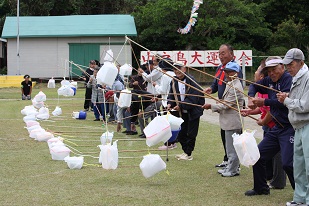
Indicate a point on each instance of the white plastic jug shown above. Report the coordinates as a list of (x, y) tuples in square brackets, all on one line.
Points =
[(246, 148), (125, 70), (107, 74), (54, 141), (151, 165), (74, 162), (51, 83), (158, 130), (109, 156), (57, 111), (59, 152), (107, 138), (124, 100), (174, 121)]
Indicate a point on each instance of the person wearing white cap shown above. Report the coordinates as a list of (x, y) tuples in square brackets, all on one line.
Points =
[(297, 101), (281, 136), (230, 120)]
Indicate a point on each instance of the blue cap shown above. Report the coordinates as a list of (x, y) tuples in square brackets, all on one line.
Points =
[(232, 66)]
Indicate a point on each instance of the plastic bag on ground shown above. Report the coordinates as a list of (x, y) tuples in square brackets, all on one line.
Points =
[(57, 111), (40, 97), (109, 156), (28, 110), (59, 152), (74, 162), (246, 148), (51, 83)]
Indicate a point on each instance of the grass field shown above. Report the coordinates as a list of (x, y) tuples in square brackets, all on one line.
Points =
[(30, 177)]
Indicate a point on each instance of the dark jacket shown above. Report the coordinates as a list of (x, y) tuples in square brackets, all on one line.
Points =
[(277, 109), (194, 112)]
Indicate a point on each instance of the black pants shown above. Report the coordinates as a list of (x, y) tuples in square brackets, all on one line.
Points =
[(188, 133), (138, 102), (223, 142), (87, 102)]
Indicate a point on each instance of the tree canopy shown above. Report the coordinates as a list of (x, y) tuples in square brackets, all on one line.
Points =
[(268, 27)]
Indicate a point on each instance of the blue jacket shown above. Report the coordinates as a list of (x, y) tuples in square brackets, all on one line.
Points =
[(277, 109), (218, 86)]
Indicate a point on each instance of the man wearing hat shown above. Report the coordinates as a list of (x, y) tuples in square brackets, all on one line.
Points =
[(230, 120), (180, 97), (26, 88), (297, 101), (281, 136)]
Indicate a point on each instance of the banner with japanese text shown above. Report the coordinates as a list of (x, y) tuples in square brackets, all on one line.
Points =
[(207, 58)]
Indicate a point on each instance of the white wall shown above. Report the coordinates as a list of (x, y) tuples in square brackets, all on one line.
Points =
[(47, 57)]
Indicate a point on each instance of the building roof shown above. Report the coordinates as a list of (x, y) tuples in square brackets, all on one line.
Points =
[(69, 26)]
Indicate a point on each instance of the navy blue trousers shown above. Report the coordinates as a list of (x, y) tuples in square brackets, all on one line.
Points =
[(278, 139)]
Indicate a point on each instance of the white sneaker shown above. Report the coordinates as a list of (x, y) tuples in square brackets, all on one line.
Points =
[(185, 157), (179, 155), (292, 203), (220, 171), (174, 146)]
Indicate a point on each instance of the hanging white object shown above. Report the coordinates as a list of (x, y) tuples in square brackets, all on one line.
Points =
[(125, 70), (107, 74), (125, 97), (174, 121), (74, 162), (51, 83), (59, 152), (109, 156), (73, 84), (40, 97), (151, 165), (158, 130), (109, 56), (65, 82), (57, 111), (66, 90), (107, 138), (246, 148)]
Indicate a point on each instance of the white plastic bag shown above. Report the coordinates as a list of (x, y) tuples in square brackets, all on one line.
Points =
[(174, 121), (36, 132), (29, 110), (109, 156), (125, 97), (246, 148), (40, 97), (125, 70), (37, 104), (54, 141), (31, 123), (158, 130), (107, 74), (29, 118), (59, 152), (107, 137), (57, 111), (151, 165), (74, 162), (43, 113), (44, 136), (51, 83)]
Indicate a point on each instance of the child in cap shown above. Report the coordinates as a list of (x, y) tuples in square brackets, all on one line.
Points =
[(26, 88)]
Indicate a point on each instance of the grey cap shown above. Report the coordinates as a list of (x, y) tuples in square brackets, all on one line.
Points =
[(293, 54)]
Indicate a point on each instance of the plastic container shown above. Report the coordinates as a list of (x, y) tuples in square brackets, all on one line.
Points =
[(151, 165), (54, 141), (106, 137), (40, 97), (107, 74), (109, 156), (174, 121), (124, 100), (59, 152), (29, 118), (57, 111), (74, 162), (44, 137), (51, 83), (125, 70), (31, 123), (79, 115), (158, 130)]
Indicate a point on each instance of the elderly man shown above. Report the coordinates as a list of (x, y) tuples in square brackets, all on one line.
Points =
[(281, 137), (297, 101), (226, 55)]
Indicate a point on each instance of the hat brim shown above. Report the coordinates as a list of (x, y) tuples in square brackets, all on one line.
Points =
[(287, 61), (229, 70)]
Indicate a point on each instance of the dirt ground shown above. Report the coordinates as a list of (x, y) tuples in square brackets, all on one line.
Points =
[(249, 124)]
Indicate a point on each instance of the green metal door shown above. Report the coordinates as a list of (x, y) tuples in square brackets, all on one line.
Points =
[(81, 54)]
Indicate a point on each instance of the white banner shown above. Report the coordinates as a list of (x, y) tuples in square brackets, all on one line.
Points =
[(207, 58)]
